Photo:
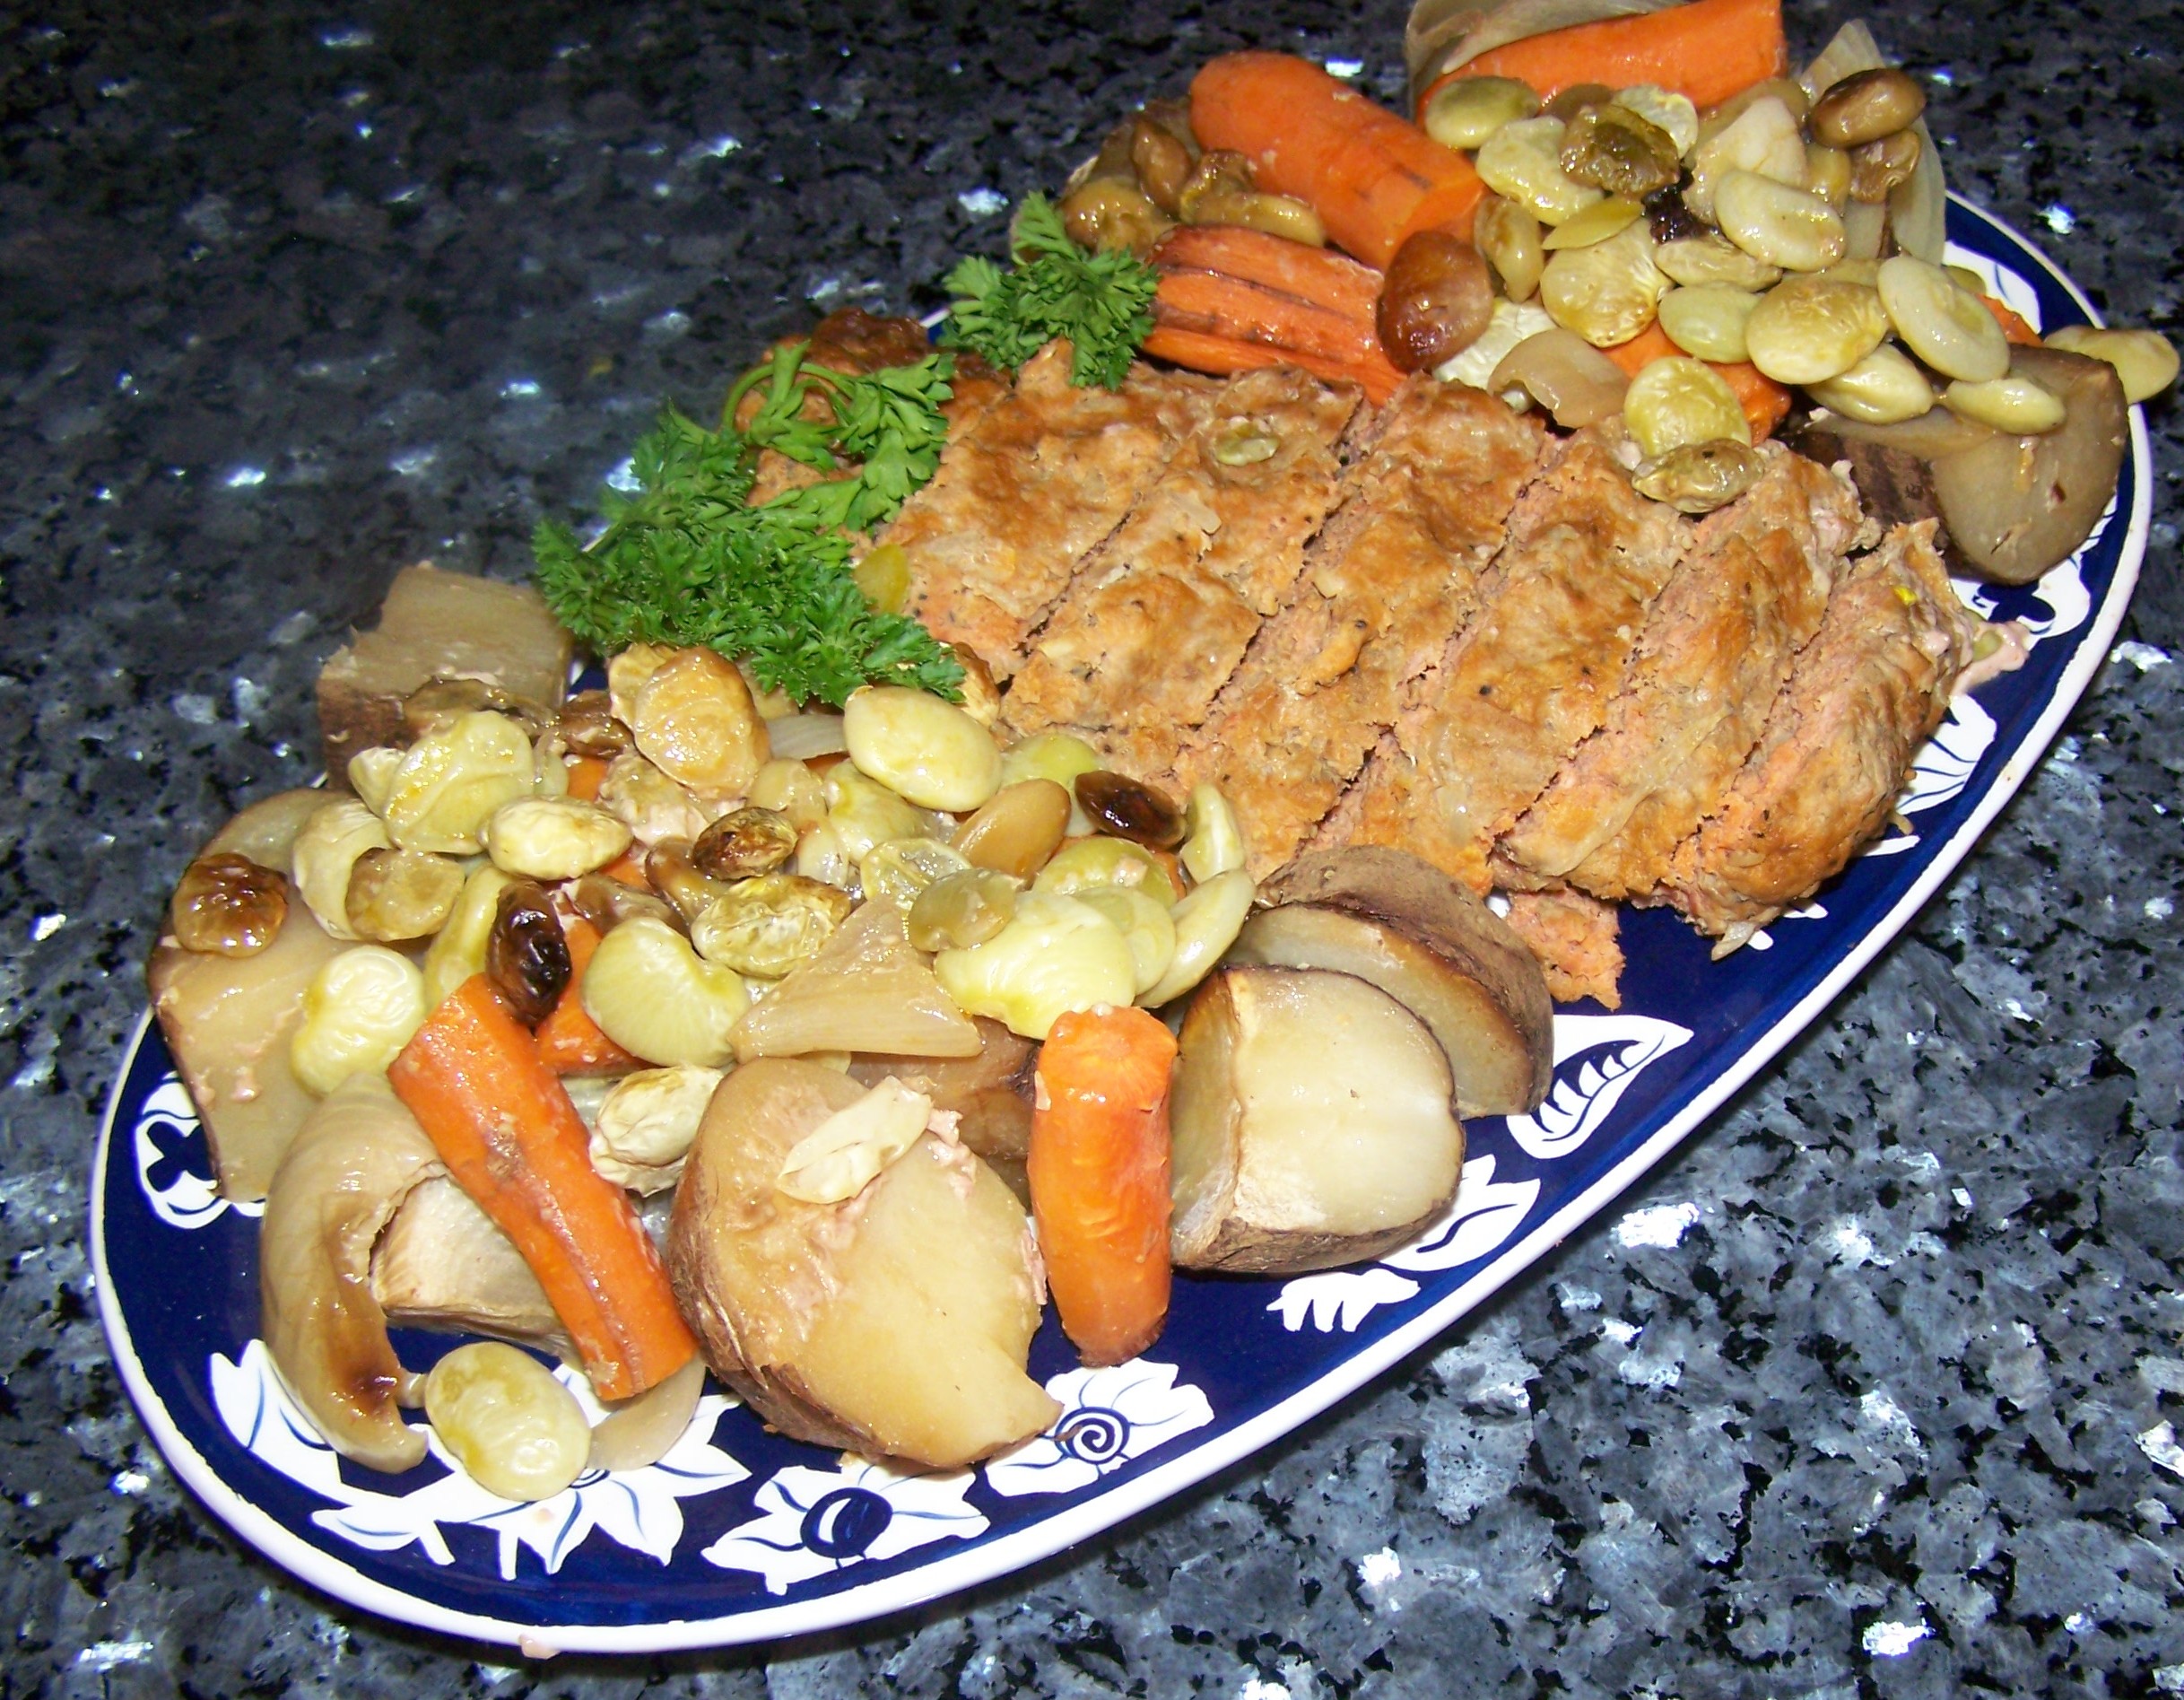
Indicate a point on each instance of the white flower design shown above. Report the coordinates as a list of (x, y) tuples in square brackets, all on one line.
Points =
[(1480, 1218), (1944, 765), (636, 1508), (811, 1521), (1339, 1298), (2063, 587), (1484, 1214), (1108, 1417), (1582, 1097), (167, 1142)]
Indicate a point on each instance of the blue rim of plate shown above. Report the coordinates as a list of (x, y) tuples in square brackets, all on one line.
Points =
[(743, 1536)]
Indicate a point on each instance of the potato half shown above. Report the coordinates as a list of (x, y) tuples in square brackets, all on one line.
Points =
[(1312, 1123), (895, 1323), (1401, 923)]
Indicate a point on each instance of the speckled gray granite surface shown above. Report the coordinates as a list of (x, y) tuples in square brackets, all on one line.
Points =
[(291, 294)]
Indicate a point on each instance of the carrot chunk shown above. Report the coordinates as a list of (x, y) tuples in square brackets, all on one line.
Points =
[(568, 1040), (1365, 171), (1099, 1173), (509, 1136), (1765, 402), (1707, 50)]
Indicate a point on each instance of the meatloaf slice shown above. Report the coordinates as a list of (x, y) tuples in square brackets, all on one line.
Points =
[(1391, 575), (1021, 498), (1530, 674), (1868, 690), (1577, 939), (1158, 617), (1715, 650)]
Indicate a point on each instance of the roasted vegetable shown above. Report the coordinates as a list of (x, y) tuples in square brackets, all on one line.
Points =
[(895, 1321), (1402, 924), (1312, 1123)]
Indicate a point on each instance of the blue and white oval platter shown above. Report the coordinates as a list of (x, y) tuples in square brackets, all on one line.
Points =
[(739, 1535)]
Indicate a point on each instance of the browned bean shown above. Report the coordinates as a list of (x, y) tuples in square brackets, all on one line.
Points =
[(1613, 148), (227, 905), (1124, 807), (1866, 106), (526, 955), (1016, 828), (1576, 98), (1877, 167), (1437, 298), (440, 702), (588, 726), (1107, 213), (1161, 162), (743, 842), (606, 903)]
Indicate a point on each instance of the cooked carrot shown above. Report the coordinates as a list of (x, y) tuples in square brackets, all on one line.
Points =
[(570, 1042), (1707, 50), (1372, 178), (1099, 1173), (509, 1136), (2013, 328), (1764, 401), (630, 869), (1223, 306), (586, 774), (1316, 274), (1204, 353)]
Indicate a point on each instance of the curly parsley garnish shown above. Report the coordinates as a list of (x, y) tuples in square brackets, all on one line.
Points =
[(1100, 302), (686, 559)]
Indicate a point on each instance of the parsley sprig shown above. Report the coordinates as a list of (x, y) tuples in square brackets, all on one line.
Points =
[(1100, 302), (685, 559)]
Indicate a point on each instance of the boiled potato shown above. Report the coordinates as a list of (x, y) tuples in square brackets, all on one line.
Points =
[(1401, 923), (1312, 1123), (895, 1323)]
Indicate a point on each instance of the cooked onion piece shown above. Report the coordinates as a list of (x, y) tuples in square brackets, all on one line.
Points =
[(349, 1168)]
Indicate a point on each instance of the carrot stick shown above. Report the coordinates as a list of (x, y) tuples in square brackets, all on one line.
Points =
[(1764, 401), (1223, 306), (1203, 352), (1316, 274), (586, 774), (508, 1133), (1707, 50), (568, 1040), (1098, 1173), (1366, 173)]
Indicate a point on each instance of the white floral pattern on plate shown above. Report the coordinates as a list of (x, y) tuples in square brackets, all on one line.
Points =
[(811, 1521), (168, 1141), (638, 1508), (1108, 1417), (1581, 1098), (1479, 1220)]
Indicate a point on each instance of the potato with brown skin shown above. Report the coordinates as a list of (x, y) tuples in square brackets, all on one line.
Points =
[(895, 1322), (1312, 1124), (1402, 924), (991, 1092)]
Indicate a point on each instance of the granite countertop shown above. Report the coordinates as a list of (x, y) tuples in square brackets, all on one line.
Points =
[(294, 294)]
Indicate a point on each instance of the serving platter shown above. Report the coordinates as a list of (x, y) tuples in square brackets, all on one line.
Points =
[(739, 1535)]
